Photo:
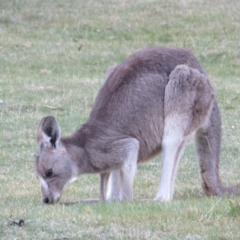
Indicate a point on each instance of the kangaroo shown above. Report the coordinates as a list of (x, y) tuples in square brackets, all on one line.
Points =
[(153, 102)]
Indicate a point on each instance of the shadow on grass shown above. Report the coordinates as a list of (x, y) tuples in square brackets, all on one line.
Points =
[(193, 194), (84, 201), (95, 201)]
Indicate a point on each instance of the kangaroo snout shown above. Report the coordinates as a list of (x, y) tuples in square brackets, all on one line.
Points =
[(49, 196), (46, 200), (51, 200)]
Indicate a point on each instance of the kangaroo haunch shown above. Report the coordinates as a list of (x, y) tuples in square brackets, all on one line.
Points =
[(154, 101)]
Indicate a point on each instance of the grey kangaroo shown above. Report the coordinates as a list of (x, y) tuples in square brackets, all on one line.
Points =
[(154, 101)]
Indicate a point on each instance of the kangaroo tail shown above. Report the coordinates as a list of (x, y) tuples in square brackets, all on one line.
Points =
[(208, 145)]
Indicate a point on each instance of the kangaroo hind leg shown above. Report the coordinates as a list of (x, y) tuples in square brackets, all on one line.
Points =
[(173, 145), (187, 104)]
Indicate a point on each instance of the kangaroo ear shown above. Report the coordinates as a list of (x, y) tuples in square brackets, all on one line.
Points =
[(48, 132)]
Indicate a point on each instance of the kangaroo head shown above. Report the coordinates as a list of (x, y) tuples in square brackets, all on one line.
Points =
[(53, 163)]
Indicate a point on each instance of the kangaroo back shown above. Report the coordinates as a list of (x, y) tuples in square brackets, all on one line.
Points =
[(131, 100)]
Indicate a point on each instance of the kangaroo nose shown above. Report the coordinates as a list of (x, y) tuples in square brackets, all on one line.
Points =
[(46, 200)]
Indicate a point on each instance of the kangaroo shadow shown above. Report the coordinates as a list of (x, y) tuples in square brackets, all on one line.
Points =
[(97, 201), (146, 200), (83, 201)]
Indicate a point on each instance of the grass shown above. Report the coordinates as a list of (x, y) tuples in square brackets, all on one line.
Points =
[(53, 58)]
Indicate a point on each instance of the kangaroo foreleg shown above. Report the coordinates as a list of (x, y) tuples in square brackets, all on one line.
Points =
[(104, 177), (120, 184)]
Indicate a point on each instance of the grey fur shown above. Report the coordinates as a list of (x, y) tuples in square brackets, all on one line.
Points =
[(155, 100)]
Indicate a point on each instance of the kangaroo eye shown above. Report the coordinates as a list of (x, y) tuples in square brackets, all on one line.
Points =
[(48, 173)]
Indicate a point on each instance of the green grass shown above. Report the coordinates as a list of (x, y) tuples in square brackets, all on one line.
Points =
[(53, 59)]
